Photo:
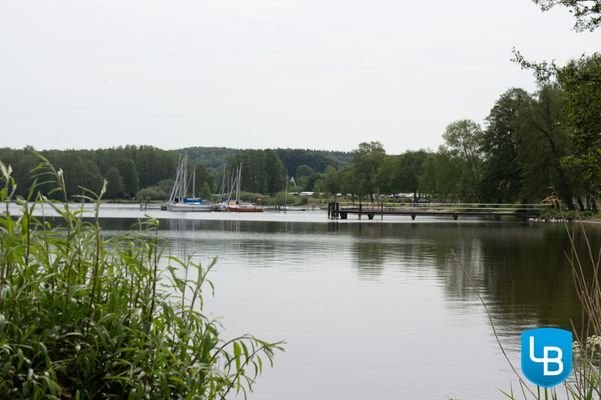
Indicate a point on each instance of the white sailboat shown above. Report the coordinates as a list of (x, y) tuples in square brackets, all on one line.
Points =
[(179, 199)]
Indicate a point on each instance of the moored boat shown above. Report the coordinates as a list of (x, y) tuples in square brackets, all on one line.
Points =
[(179, 200), (243, 207)]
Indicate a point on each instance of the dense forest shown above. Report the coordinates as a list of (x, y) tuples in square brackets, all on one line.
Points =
[(148, 172)]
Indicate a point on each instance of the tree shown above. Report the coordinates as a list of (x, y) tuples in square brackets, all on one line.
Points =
[(441, 176), (587, 12), (330, 181), (502, 176), (542, 147), (581, 81), (114, 185), (202, 177), (387, 179), (303, 175), (348, 182), (464, 140), (129, 173), (205, 191), (262, 171), (367, 160), (411, 167)]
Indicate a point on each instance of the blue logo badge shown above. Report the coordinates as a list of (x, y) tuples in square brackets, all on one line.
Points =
[(546, 356)]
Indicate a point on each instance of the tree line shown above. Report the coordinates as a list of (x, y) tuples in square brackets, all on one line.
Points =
[(534, 146), (147, 172)]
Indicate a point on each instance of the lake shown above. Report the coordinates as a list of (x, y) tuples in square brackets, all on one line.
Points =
[(377, 309)]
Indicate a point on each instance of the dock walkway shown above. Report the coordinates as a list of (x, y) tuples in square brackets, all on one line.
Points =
[(454, 210)]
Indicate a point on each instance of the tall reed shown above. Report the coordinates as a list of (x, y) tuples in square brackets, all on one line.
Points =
[(83, 316)]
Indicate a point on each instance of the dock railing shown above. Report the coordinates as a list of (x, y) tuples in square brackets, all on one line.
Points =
[(337, 210)]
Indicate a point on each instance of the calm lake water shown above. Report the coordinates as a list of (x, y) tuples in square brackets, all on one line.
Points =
[(377, 309)]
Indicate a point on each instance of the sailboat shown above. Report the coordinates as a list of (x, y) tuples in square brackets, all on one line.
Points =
[(237, 205), (178, 199)]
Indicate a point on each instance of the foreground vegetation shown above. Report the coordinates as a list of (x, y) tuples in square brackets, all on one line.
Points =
[(83, 316)]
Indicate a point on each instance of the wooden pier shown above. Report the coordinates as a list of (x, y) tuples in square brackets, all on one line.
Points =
[(454, 210)]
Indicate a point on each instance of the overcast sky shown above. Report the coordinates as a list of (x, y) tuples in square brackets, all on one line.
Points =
[(324, 74)]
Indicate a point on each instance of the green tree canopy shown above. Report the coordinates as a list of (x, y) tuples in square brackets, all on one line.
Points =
[(129, 173), (587, 12), (114, 185), (464, 139), (502, 176), (367, 160)]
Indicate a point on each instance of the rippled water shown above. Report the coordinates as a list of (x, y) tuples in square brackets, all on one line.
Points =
[(378, 309)]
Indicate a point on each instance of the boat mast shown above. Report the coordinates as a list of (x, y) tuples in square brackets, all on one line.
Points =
[(286, 195), (238, 184), (176, 184), (184, 183), (194, 182)]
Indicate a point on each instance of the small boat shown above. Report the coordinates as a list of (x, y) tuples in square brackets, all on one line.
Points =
[(179, 200), (190, 204), (243, 207)]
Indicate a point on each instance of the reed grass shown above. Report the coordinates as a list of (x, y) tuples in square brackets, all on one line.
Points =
[(84, 316)]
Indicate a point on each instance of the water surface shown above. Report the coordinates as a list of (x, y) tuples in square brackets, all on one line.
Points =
[(378, 309)]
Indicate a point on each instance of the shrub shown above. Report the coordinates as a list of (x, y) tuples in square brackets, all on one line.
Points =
[(85, 317)]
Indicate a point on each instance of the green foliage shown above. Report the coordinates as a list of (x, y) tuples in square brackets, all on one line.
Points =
[(129, 174), (508, 118), (331, 181), (304, 176), (464, 140), (262, 171), (205, 191), (152, 193), (114, 185), (543, 143), (317, 160), (160, 191), (141, 166), (86, 317), (580, 83), (367, 160), (587, 12), (410, 168), (210, 157), (441, 177)]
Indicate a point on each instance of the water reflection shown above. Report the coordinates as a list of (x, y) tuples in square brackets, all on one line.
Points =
[(521, 269), (329, 287)]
